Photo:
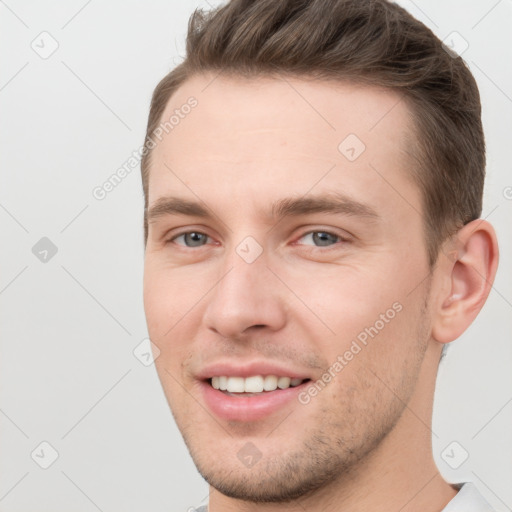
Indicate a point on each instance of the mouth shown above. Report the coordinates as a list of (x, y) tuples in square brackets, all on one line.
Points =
[(251, 398), (254, 385)]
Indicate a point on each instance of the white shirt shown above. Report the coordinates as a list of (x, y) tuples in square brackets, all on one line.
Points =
[(468, 499)]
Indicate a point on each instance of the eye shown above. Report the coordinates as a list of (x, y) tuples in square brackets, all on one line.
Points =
[(320, 238), (191, 239)]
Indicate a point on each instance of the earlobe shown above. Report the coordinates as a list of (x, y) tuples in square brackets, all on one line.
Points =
[(469, 277)]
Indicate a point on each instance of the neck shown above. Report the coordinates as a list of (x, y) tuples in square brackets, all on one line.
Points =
[(400, 474)]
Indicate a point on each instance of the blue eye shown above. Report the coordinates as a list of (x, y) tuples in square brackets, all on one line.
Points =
[(191, 239), (321, 238)]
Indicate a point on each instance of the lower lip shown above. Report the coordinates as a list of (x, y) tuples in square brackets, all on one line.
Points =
[(248, 408)]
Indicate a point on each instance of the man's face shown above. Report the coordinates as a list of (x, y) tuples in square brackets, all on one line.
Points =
[(283, 254)]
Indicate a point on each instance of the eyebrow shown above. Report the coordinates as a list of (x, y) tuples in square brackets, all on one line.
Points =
[(176, 206), (333, 203)]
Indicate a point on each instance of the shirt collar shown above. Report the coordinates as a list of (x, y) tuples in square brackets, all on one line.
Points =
[(468, 499)]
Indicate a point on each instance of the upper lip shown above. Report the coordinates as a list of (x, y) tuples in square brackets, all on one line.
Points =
[(248, 369)]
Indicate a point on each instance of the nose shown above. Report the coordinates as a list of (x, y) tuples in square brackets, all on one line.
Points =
[(245, 298)]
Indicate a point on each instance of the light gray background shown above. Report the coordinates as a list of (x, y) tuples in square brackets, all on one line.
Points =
[(68, 375)]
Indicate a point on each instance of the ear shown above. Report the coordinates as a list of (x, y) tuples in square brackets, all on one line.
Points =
[(467, 278)]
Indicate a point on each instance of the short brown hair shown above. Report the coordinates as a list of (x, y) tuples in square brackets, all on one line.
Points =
[(372, 42)]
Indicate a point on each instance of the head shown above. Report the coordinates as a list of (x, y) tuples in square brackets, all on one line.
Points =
[(312, 214)]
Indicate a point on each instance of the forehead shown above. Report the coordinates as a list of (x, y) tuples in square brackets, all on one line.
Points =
[(267, 134)]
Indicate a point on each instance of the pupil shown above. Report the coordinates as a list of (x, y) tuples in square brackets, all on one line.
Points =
[(194, 239), (321, 238)]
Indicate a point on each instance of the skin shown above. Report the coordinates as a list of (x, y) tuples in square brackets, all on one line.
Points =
[(364, 442)]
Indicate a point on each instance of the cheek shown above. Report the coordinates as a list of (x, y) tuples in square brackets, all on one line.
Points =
[(342, 301), (374, 371), (172, 297), (172, 382), (173, 307), (368, 316)]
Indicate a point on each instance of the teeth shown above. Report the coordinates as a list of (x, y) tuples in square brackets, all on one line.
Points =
[(283, 382), (253, 384), (236, 385), (270, 383)]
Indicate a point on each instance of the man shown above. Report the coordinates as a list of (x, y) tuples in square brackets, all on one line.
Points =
[(313, 185)]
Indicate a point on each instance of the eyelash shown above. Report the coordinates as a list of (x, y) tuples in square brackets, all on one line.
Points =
[(340, 239), (171, 240)]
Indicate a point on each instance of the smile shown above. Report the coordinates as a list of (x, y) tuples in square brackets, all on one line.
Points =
[(253, 398), (253, 384)]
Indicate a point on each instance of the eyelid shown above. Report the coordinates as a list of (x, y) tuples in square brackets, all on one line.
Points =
[(344, 236), (173, 239), (176, 232)]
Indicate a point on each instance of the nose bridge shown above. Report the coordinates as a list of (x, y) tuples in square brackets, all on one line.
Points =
[(244, 296)]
